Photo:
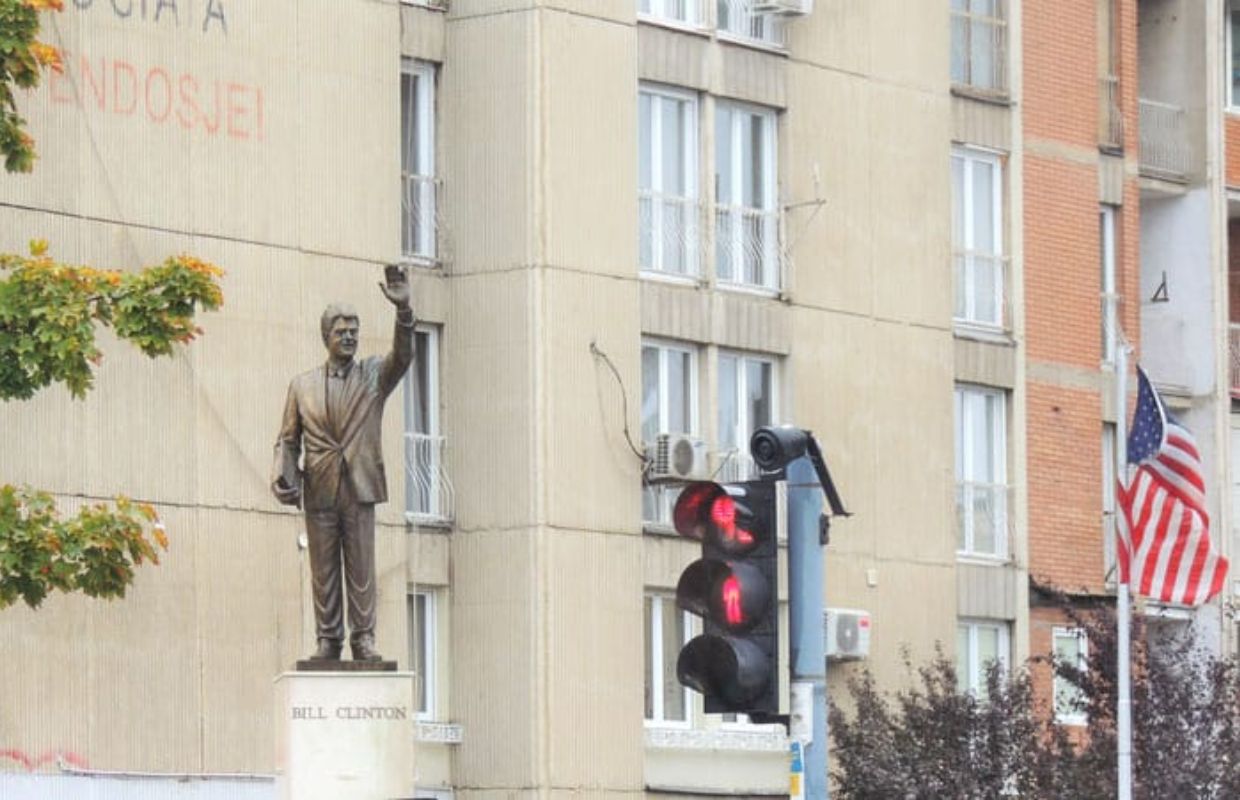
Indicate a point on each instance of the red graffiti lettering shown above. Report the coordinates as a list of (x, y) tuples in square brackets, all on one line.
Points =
[(236, 110), (31, 763), (100, 87), (131, 74), (188, 86), (157, 75)]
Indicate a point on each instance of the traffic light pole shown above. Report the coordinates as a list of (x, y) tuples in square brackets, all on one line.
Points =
[(808, 685)]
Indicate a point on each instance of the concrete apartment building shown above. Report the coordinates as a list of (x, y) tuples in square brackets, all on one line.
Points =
[(624, 219)]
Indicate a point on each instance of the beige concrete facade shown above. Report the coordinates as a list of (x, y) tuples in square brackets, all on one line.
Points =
[(540, 570)]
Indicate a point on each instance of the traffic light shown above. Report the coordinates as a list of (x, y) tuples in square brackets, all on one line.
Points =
[(734, 588)]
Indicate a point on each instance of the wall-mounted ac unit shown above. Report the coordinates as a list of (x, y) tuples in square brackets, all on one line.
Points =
[(676, 457), (847, 633), (787, 8)]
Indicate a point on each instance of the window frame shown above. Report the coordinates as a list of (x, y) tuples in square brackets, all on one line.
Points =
[(970, 156), (691, 157), (963, 435), (1231, 101), (975, 678), (742, 411), (425, 76), (1077, 717), (662, 497), (772, 255), (1108, 216), (655, 658), (1000, 56), (430, 362), (424, 634), (693, 20)]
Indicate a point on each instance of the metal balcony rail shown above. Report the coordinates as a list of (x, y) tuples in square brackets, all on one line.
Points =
[(729, 466), (429, 496), (982, 519), (980, 49), (668, 233), (981, 297), (1110, 117), (419, 215), (1233, 351), (747, 247), (737, 18), (1165, 150)]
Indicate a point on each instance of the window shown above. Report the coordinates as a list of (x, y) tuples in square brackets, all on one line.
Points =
[(977, 239), (1110, 299), (981, 466), (667, 630), (428, 493), (667, 181), (417, 159), (1069, 647), (1109, 509), (422, 650), (1110, 115), (979, 44), (738, 19), (669, 405), (1233, 50), (684, 12), (747, 401), (979, 643), (746, 211)]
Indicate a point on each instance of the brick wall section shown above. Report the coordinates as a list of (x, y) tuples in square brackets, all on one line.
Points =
[(1065, 487), (1231, 129), (1061, 71), (1062, 275), (1062, 286)]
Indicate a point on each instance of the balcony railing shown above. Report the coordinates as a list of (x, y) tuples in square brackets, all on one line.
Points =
[(429, 496), (1165, 151), (981, 283), (419, 211), (729, 466), (747, 247), (980, 50), (1233, 352), (683, 12), (668, 233), (1110, 117), (982, 519), (738, 19)]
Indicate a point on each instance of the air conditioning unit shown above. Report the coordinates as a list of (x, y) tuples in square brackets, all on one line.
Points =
[(786, 8), (847, 634), (676, 457)]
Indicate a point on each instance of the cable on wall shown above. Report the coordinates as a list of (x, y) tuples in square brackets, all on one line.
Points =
[(624, 397)]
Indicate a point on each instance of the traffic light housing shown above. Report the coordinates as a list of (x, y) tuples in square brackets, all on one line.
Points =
[(734, 588)]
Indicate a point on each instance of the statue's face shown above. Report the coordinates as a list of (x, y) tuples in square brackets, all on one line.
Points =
[(342, 339)]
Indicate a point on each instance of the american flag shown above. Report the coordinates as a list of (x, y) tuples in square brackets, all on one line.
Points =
[(1164, 549)]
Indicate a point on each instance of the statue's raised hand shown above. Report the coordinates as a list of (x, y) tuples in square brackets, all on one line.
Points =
[(396, 289)]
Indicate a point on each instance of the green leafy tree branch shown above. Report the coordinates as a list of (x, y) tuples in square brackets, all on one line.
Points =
[(49, 315)]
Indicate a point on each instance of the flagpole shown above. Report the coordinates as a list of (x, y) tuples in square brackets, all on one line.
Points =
[(1123, 726)]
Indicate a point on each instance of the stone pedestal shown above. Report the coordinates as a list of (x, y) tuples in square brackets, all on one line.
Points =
[(344, 734)]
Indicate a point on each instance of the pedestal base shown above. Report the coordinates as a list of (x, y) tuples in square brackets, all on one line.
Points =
[(344, 734)]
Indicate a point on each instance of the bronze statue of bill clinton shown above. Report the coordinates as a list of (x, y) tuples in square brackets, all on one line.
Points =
[(334, 414)]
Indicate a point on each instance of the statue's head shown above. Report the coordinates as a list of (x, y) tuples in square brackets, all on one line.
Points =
[(339, 327)]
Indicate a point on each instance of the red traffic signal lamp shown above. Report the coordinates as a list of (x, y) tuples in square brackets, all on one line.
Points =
[(733, 587)]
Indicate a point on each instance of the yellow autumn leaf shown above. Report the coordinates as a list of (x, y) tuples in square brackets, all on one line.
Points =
[(38, 247)]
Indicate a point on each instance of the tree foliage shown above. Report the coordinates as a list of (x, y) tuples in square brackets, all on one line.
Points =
[(933, 741), (49, 315), (22, 60)]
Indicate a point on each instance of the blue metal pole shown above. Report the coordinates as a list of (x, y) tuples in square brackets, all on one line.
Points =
[(808, 687)]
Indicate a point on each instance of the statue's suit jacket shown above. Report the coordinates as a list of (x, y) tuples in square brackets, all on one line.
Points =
[(347, 444)]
